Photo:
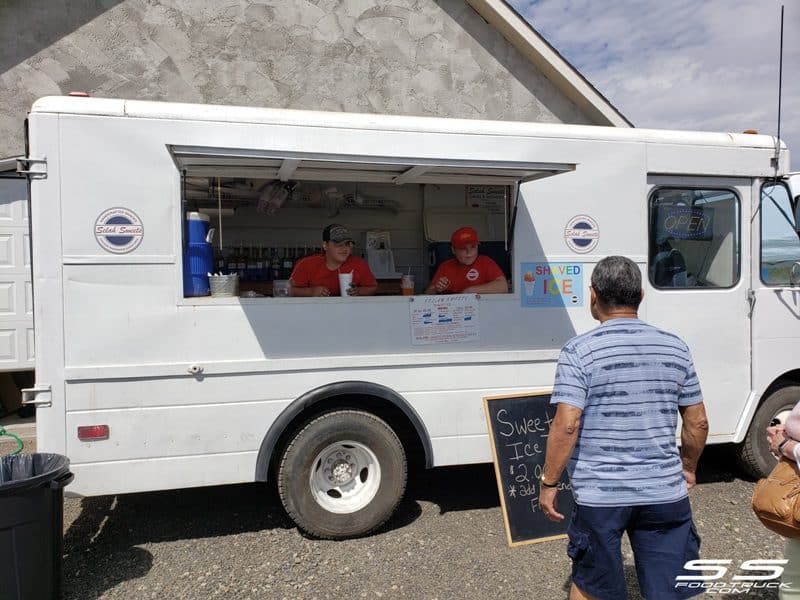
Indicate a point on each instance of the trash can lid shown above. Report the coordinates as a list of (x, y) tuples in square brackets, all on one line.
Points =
[(22, 471)]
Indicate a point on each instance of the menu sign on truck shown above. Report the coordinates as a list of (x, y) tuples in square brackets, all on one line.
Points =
[(518, 430), (444, 319)]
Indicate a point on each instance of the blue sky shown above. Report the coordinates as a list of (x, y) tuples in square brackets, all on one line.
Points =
[(709, 65)]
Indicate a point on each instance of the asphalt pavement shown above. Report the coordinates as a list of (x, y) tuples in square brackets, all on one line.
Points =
[(446, 541)]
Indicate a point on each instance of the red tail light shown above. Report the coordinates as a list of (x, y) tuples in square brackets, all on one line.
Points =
[(91, 433)]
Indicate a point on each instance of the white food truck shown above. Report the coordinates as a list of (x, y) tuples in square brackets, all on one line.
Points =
[(147, 386)]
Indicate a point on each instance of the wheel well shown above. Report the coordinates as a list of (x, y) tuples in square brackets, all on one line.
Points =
[(393, 415), (788, 378)]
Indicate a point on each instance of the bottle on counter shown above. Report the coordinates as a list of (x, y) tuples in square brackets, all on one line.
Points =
[(275, 265), (288, 263), (252, 265), (261, 272), (232, 262), (219, 260), (241, 265)]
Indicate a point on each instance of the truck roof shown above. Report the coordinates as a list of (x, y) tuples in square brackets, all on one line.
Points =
[(239, 114)]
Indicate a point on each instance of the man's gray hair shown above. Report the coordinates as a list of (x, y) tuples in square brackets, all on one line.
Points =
[(617, 282)]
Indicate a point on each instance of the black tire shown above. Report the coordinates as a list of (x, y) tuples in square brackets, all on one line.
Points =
[(753, 453), (364, 433)]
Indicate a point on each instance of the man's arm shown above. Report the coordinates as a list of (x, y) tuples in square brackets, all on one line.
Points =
[(694, 432), (560, 443), (438, 282), (498, 286), (364, 282), (307, 291), (364, 290)]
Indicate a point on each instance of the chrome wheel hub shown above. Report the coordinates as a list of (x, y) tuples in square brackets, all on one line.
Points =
[(345, 477)]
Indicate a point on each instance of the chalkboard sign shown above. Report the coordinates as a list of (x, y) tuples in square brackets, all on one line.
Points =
[(518, 429)]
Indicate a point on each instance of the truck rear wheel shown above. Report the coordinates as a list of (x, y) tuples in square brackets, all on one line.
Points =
[(342, 475), (753, 453)]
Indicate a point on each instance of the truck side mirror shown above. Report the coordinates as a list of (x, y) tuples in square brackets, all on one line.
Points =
[(794, 274), (796, 206)]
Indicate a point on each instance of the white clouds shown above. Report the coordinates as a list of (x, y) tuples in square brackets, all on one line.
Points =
[(683, 64)]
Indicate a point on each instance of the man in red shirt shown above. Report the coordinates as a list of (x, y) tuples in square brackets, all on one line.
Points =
[(469, 272), (318, 274)]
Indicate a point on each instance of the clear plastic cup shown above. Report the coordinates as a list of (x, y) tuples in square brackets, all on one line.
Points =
[(280, 288), (407, 285)]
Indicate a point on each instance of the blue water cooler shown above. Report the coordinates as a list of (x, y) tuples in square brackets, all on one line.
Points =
[(198, 256)]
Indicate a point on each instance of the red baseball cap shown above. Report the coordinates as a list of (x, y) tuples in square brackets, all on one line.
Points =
[(463, 237)]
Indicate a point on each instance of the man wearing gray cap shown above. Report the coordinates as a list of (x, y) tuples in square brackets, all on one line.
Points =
[(318, 275)]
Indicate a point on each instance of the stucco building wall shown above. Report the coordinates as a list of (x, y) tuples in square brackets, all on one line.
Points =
[(413, 57)]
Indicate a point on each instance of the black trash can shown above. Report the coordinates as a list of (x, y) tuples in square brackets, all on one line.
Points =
[(31, 524)]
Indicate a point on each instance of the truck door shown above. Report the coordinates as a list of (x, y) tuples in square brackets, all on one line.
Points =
[(697, 285), (776, 313)]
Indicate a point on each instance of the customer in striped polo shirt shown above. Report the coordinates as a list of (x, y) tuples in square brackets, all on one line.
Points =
[(619, 389)]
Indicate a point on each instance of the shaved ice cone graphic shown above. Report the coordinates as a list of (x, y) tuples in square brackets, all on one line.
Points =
[(529, 281)]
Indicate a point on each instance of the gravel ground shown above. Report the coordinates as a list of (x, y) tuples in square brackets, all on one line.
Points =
[(446, 541)]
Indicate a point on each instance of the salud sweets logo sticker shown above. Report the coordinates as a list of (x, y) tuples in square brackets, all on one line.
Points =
[(581, 234), (118, 230)]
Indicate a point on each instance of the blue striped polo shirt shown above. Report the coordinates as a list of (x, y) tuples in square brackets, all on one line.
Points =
[(628, 378)]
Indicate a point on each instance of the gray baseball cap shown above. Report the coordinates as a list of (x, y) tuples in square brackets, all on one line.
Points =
[(337, 233)]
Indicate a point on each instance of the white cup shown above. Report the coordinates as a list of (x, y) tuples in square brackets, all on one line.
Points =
[(345, 281)]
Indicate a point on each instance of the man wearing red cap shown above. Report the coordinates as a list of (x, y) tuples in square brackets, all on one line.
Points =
[(469, 272)]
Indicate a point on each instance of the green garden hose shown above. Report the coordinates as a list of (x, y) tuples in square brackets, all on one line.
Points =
[(19, 441)]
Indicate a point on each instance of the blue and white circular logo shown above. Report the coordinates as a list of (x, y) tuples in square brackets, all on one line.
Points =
[(582, 234), (118, 230)]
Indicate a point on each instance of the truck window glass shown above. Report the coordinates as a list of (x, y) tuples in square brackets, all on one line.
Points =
[(780, 243), (694, 238)]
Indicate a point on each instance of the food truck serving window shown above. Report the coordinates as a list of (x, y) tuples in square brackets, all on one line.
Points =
[(694, 238), (268, 209)]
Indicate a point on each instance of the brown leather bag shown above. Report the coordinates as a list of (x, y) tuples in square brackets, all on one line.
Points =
[(776, 499)]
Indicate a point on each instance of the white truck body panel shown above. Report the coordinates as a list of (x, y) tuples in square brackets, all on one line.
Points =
[(116, 338)]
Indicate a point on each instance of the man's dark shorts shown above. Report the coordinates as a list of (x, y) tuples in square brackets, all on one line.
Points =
[(663, 538)]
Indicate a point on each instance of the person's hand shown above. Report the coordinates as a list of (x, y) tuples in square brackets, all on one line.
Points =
[(549, 504), (320, 290), (691, 479), (442, 284), (352, 290), (775, 435)]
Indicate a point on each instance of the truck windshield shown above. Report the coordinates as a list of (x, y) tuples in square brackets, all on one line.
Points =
[(780, 243)]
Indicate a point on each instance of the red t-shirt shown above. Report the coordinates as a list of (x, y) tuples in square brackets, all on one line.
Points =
[(483, 270), (312, 271)]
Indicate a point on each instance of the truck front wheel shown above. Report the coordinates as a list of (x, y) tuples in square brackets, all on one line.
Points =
[(342, 475), (753, 453)]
